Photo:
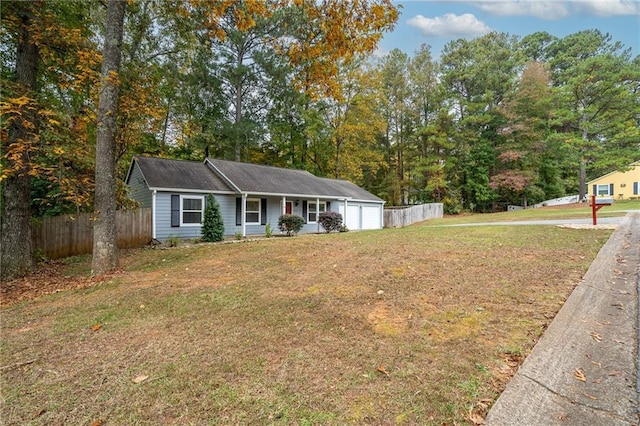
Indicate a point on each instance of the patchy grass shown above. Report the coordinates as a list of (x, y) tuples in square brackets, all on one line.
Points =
[(401, 326)]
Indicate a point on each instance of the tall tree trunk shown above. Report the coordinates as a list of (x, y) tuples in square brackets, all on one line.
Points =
[(582, 191), (237, 147), (105, 249), (16, 251)]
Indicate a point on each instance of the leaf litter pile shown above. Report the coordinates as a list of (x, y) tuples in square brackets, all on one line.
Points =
[(401, 326)]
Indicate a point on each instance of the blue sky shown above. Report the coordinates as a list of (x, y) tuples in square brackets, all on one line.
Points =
[(435, 22)]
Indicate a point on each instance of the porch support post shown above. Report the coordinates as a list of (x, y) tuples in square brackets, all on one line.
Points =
[(244, 215), (284, 205), (344, 219), (317, 214)]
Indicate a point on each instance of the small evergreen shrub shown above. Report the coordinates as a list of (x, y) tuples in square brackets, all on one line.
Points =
[(330, 221), (212, 226), (344, 228), (238, 235), (268, 232), (290, 223)]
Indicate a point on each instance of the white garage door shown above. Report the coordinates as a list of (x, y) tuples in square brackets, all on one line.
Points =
[(352, 220), (370, 217)]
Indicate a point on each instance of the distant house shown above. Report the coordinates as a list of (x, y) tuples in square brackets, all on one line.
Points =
[(250, 196), (619, 185)]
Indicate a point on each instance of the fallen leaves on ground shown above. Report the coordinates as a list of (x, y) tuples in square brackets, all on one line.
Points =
[(595, 336), (141, 378), (382, 369), (579, 374), (49, 278)]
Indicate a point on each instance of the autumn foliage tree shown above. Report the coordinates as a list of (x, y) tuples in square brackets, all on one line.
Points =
[(18, 139), (48, 76)]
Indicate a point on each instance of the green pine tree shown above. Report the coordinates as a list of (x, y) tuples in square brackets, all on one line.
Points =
[(213, 226)]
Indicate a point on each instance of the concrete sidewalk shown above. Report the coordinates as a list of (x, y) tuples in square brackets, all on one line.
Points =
[(584, 369)]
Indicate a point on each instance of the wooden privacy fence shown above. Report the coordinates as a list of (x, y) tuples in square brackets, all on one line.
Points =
[(70, 235), (397, 217)]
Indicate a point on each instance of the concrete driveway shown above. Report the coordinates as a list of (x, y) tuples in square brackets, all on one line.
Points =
[(584, 369)]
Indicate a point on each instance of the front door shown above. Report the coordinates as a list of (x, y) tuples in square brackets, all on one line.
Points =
[(288, 207)]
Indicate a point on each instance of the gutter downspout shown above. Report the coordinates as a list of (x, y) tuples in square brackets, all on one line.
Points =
[(153, 214)]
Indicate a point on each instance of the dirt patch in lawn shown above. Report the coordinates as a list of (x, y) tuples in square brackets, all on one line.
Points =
[(405, 326)]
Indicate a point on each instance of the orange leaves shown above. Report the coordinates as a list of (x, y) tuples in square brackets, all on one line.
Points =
[(335, 32), (245, 14), (17, 103), (383, 370), (17, 147)]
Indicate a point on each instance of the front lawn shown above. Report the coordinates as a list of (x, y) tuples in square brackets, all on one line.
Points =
[(418, 325), (569, 211)]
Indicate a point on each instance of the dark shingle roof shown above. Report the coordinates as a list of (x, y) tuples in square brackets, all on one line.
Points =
[(230, 176), (348, 189), (177, 174), (275, 180)]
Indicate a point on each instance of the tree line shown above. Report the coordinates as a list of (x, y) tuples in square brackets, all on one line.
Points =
[(294, 83)]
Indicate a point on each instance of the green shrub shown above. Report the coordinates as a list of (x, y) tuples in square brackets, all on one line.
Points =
[(268, 232), (238, 235), (344, 228), (290, 223), (212, 226), (330, 221), (451, 205)]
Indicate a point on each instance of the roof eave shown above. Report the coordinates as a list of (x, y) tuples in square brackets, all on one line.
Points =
[(207, 191), (634, 165)]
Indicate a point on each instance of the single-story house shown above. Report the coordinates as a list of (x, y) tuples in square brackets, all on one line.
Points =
[(250, 196), (619, 185)]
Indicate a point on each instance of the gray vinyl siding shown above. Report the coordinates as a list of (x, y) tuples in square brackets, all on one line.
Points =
[(164, 229), (273, 215), (138, 189), (227, 204)]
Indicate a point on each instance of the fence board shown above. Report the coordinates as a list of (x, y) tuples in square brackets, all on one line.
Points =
[(70, 235), (398, 217)]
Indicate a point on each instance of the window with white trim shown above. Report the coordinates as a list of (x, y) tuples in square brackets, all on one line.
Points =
[(192, 209), (252, 212), (602, 190), (312, 215)]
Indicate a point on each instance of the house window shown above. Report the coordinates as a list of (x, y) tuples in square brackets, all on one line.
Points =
[(252, 213), (602, 190), (314, 212), (192, 208)]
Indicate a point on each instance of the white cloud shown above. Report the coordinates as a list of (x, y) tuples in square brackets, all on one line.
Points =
[(450, 25), (549, 9), (608, 7), (538, 8)]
